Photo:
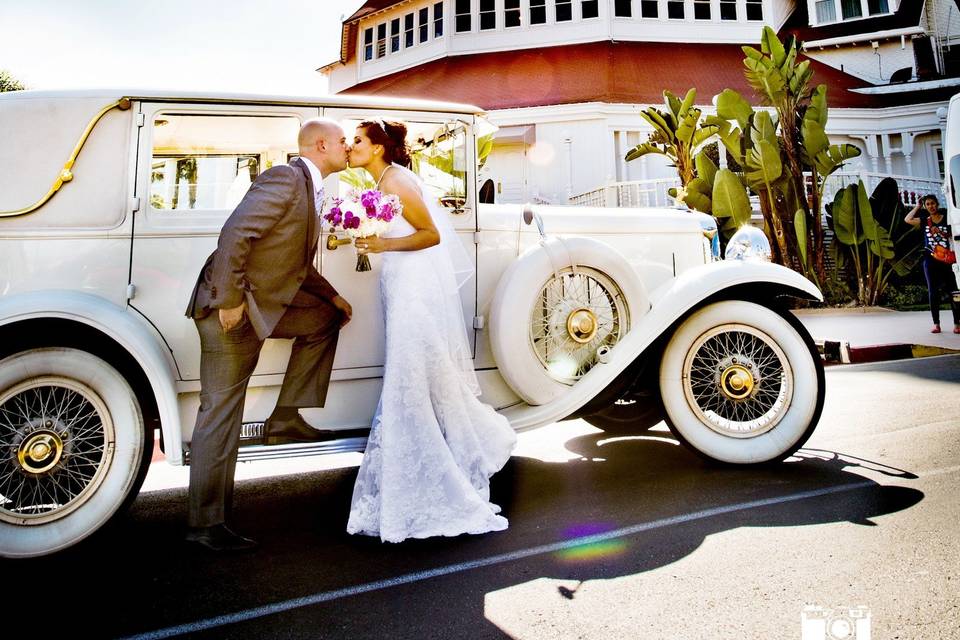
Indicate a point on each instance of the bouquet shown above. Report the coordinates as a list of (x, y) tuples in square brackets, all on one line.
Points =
[(361, 214)]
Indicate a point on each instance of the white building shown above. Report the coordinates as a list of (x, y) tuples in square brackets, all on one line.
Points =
[(565, 80)]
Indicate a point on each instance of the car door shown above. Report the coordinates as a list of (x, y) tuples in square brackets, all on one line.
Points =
[(195, 163), (441, 145)]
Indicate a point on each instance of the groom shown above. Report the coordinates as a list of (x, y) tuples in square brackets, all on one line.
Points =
[(261, 283)]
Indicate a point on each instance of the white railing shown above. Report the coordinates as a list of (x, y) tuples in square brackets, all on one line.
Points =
[(911, 187), (635, 193), (653, 192)]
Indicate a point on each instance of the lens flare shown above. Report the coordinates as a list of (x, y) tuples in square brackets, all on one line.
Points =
[(590, 550)]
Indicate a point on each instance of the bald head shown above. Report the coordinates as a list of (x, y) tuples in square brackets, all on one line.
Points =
[(322, 141), (317, 129)]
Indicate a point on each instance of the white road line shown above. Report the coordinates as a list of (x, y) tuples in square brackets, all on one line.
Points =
[(327, 596)]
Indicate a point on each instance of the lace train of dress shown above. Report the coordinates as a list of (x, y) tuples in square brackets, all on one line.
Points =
[(433, 445)]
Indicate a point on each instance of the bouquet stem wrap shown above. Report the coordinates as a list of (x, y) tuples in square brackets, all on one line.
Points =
[(362, 214)]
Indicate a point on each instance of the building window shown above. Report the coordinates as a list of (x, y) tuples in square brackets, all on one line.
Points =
[(826, 11), (395, 35), (755, 9), (622, 8), (564, 10), (511, 13), (649, 8), (368, 44), (423, 23), (728, 9), (851, 9), (589, 9), (381, 40), (408, 30), (462, 16), (675, 9), (701, 9), (488, 15), (538, 11), (438, 20), (877, 6)]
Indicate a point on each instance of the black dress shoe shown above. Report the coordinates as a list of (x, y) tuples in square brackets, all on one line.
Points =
[(219, 539), (293, 430)]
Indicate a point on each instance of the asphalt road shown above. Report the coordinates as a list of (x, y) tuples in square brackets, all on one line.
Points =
[(611, 536)]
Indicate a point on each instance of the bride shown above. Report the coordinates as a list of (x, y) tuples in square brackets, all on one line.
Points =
[(433, 445)]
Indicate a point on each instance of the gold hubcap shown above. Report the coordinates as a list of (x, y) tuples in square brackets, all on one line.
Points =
[(736, 382), (582, 325), (40, 452)]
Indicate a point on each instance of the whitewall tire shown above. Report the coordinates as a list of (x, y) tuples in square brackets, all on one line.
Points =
[(72, 448), (741, 383), (557, 309)]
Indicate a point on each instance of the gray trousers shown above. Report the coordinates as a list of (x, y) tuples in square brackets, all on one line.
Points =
[(227, 361)]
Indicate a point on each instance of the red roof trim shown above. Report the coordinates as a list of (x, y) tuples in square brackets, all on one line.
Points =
[(611, 72)]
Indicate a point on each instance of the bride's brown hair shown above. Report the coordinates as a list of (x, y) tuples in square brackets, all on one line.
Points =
[(393, 137)]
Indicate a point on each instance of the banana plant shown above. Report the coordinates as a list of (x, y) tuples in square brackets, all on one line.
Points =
[(871, 235), (869, 245), (777, 145), (677, 134)]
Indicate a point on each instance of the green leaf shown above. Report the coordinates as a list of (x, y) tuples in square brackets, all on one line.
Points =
[(657, 120), (698, 195), (800, 77), (687, 103), (815, 140), (703, 133), (846, 219), (706, 170), (764, 160), (733, 106), (643, 149), (730, 199), (764, 128), (833, 157), (800, 228), (766, 80), (688, 125), (881, 245), (672, 103), (770, 43)]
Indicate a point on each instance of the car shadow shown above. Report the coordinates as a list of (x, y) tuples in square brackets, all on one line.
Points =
[(629, 504)]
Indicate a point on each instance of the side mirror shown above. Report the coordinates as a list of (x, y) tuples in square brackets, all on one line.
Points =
[(529, 215)]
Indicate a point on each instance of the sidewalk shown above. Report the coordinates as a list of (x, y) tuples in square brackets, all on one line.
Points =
[(874, 333)]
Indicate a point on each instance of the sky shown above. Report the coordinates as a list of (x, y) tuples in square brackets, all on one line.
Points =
[(259, 46)]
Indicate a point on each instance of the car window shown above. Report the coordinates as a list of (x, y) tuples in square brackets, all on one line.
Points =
[(208, 161), (438, 154)]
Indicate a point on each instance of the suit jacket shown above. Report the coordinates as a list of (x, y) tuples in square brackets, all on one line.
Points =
[(265, 252)]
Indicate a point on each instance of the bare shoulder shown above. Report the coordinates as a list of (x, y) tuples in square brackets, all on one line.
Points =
[(401, 184)]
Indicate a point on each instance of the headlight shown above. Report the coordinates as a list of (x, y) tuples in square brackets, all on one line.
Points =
[(749, 243)]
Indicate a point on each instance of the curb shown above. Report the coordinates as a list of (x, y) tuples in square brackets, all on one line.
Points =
[(839, 352)]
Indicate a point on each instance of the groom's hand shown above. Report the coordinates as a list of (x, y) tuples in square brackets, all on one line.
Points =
[(230, 318), (344, 307)]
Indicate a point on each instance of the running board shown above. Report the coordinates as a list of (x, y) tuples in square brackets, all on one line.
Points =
[(300, 449), (251, 447)]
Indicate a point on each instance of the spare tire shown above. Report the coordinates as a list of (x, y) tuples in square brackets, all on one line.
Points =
[(556, 309)]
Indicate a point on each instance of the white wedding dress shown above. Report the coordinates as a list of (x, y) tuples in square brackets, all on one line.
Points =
[(433, 445)]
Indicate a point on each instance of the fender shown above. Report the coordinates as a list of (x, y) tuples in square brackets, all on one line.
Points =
[(670, 302), (133, 334)]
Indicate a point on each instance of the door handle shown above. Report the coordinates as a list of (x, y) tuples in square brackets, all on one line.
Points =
[(333, 242)]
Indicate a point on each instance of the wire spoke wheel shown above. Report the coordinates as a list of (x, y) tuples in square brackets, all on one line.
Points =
[(575, 314), (738, 380), (57, 442)]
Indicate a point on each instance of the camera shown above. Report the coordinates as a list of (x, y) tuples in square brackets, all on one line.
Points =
[(839, 623)]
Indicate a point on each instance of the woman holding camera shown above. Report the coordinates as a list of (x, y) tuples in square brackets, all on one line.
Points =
[(937, 256)]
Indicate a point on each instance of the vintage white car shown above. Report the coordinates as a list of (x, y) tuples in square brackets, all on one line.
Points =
[(111, 201)]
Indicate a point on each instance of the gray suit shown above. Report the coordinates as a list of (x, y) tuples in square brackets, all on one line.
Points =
[(265, 257)]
